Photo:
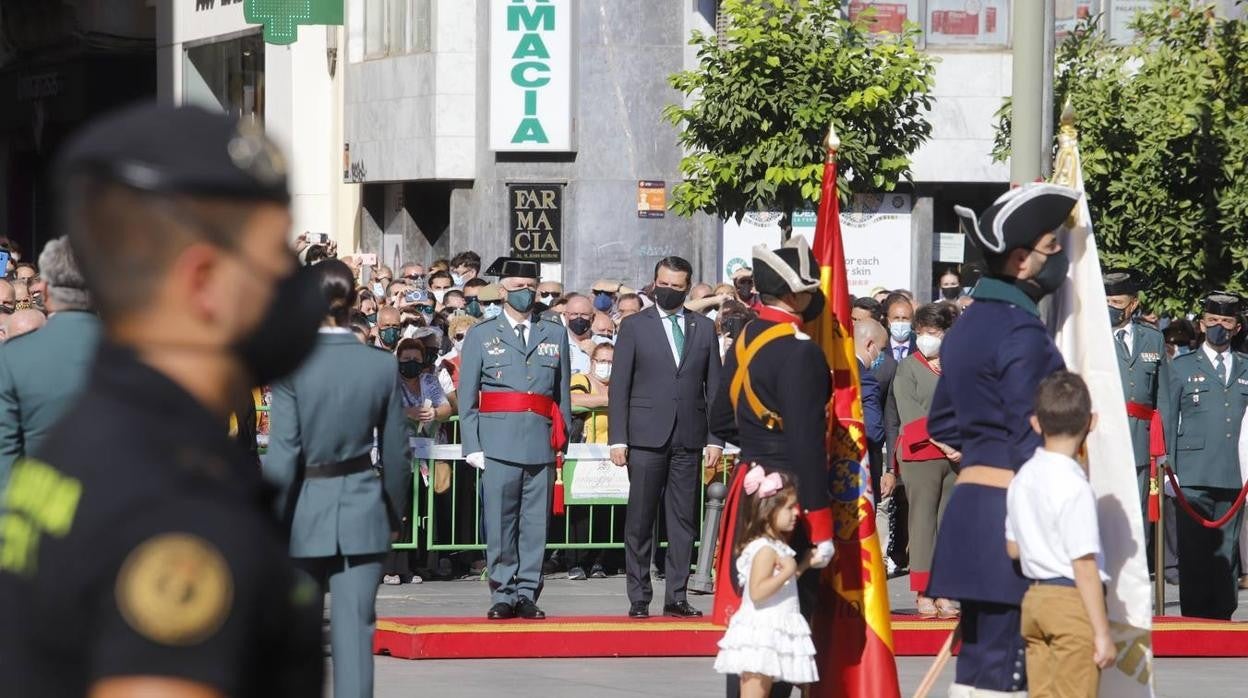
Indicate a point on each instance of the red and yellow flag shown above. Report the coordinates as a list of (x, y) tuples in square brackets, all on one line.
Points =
[(851, 627)]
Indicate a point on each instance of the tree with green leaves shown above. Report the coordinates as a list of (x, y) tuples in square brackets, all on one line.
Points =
[(760, 101), (1163, 133)]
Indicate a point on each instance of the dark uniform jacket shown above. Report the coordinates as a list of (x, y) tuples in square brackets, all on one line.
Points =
[(991, 363), (1204, 420), (1145, 380), (40, 374), (138, 541), (791, 377)]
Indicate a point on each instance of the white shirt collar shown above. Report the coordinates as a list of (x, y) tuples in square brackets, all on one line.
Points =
[(1213, 354), (663, 314), (335, 330), (513, 322)]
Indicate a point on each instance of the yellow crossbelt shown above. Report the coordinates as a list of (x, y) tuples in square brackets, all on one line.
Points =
[(745, 353)]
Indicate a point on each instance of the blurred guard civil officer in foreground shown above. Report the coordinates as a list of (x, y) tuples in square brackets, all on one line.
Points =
[(137, 553)]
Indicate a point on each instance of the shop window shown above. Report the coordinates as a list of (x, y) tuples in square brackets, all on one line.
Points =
[(226, 75), (396, 27)]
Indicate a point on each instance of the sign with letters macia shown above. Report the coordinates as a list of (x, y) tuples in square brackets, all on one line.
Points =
[(531, 75), (535, 219)]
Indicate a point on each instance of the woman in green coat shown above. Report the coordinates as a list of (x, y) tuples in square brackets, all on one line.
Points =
[(930, 477)]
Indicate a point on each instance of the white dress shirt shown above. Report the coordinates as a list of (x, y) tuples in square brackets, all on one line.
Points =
[(667, 329), (1227, 358), (528, 326), (1128, 337), (1051, 514)]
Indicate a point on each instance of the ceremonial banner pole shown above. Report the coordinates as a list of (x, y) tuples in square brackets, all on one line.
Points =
[(1082, 333), (852, 632)]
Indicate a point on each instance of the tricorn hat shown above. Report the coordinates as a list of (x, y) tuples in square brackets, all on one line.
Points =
[(790, 269), (1222, 303), (506, 267), (1123, 282), (1018, 217)]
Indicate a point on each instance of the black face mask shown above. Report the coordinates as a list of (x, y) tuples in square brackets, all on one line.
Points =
[(287, 332), (410, 369), (669, 299), (951, 294), (1116, 316), (744, 290), (815, 308), (579, 325), (1050, 277), (1217, 336), (731, 326)]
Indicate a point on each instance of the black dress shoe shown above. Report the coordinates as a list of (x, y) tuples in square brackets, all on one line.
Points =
[(501, 611), (526, 609), (639, 609), (681, 609)]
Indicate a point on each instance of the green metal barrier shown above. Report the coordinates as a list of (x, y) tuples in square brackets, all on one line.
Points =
[(428, 506), (450, 535)]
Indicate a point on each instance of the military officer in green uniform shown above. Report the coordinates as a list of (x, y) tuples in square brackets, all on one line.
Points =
[(42, 372), (1145, 372), (514, 412), (1209, 393)]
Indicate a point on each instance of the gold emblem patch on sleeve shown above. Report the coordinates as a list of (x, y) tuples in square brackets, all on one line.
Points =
[(175, 589)]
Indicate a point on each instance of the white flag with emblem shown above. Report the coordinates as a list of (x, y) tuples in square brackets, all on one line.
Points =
[(1079, 320)]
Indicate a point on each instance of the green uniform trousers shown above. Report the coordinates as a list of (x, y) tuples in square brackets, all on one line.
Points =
[(1208, 557)]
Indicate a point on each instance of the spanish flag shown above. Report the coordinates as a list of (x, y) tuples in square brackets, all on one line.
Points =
[(852, 632)]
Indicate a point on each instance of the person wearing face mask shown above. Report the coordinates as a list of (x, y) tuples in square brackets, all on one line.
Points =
[(992, 362), (382, 278), (869, 342), (1204, 422), (604, 292), (950, 286), (389, 327), (665, 374), (927, 466), (439, 284), (579, 317), (590, 391), (464, 267), (1145, 373), (174, 570), (548, 292), (771, 400), (471, 289), (368, 308), (514, 416), (490, 300)]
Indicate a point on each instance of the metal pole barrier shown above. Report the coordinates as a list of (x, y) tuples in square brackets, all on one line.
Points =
[(701, 582), (1159, 547)]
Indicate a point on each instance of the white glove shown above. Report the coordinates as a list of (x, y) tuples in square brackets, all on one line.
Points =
[(824, 550), (476, 460)]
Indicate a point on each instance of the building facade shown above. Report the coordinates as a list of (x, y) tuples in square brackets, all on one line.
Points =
[(208, 54)]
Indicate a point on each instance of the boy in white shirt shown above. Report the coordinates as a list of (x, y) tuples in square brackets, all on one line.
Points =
[(1051, 529)]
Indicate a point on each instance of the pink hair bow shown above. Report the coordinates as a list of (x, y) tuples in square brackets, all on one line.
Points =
[(758, 481)]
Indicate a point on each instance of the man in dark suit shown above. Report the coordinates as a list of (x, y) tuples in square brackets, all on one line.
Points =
[(666, 372)]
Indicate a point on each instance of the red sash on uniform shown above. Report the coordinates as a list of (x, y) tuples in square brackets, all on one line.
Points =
[(544, 406), (528, 402), (1156, 449)]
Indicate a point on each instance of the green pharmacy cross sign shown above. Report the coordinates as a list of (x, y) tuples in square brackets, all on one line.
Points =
[(281, 18)]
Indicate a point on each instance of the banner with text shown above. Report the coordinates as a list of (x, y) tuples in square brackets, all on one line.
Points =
[(535, 220), (531, 75)]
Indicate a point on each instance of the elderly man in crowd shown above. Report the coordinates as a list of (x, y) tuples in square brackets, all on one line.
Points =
[(22, 322), (41, 373), (578, 315)]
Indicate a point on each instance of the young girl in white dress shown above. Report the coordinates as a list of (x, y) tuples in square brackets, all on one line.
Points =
[(767, 639)]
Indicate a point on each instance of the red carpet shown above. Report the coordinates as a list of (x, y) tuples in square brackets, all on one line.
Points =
[(612, 636)]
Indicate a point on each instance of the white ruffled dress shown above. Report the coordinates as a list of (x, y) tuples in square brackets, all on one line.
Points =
[(770, 638)]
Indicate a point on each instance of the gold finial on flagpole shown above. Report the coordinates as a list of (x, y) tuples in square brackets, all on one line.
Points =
[(832, 142), (1068, 114)]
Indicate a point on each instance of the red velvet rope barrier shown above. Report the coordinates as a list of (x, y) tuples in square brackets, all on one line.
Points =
[(1187, 507)]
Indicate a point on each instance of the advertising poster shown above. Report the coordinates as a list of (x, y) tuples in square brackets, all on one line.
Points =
[(876, 233), (968, 23)]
